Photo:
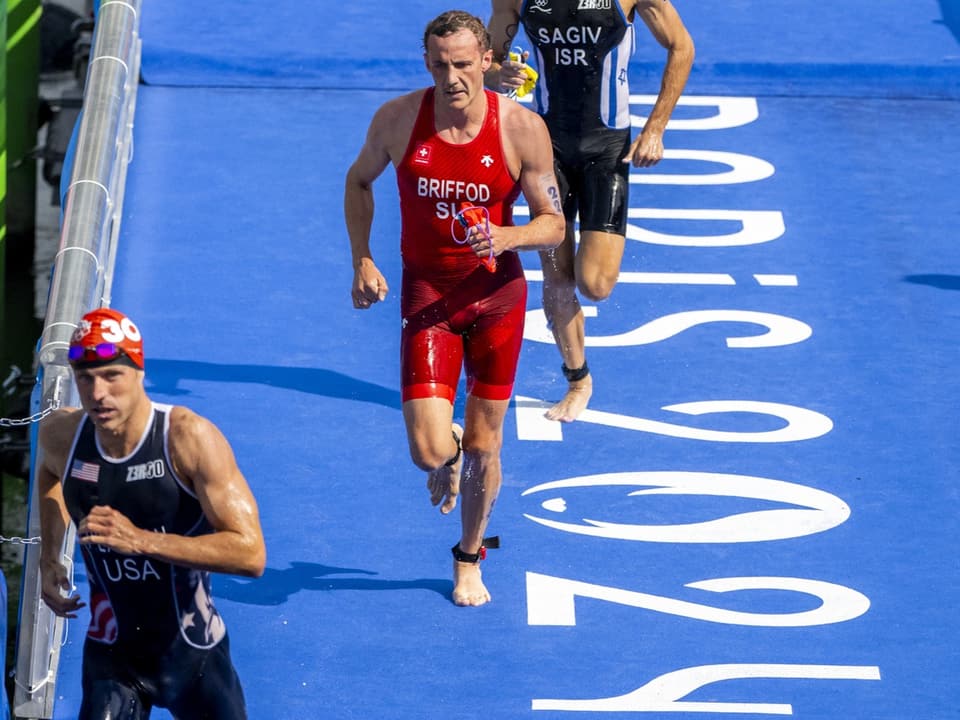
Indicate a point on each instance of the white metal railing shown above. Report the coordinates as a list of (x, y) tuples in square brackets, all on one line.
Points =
[(82, 278)]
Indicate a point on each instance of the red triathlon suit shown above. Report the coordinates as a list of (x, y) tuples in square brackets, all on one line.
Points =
[(455, 311)]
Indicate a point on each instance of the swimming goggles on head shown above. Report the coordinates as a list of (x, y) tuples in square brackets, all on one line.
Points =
[(94, 353)]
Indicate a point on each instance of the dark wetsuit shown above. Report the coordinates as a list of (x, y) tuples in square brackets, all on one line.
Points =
[(155, 637), (455, 311), (582, 49)]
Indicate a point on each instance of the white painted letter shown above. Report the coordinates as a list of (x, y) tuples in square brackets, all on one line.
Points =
[(743, 169), (731, 112), (664, 693), (781, 330), (758, 226)]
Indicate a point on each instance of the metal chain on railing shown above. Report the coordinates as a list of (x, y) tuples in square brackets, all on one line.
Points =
[(36, 417), (15, 378), (7, 386)]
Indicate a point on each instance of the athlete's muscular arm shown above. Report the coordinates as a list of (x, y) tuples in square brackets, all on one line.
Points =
[(539, 183), (526, 143), (369, 285), (504, 74), (664, 23), (55, 435), (204, 460)]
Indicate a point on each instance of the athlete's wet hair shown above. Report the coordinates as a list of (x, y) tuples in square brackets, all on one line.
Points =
[(453, 21)]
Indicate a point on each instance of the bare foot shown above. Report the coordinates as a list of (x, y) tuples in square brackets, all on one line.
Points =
[(573, 403), (468, 587), (444, 482)]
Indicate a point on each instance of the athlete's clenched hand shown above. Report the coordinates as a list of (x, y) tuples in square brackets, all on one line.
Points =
[(110, 528), (646, 150), (513, 74), (369, 285), (488, 242)]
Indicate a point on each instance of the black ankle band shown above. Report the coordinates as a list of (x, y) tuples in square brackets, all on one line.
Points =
[(577, 374), (460, 556), (453, 461), (473, 558)]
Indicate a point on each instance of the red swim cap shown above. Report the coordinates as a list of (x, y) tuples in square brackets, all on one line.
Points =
[(105, 336)]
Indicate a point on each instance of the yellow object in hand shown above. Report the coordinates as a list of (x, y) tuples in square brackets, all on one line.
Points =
[(532, 75)]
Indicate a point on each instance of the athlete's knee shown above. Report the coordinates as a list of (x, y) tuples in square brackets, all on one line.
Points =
[(431, 454), (482, 446), (598, 263), (596, 284)]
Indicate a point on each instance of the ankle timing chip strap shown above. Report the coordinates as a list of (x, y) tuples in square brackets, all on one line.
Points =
[(576, 374), (453, 461), (464, 557)]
